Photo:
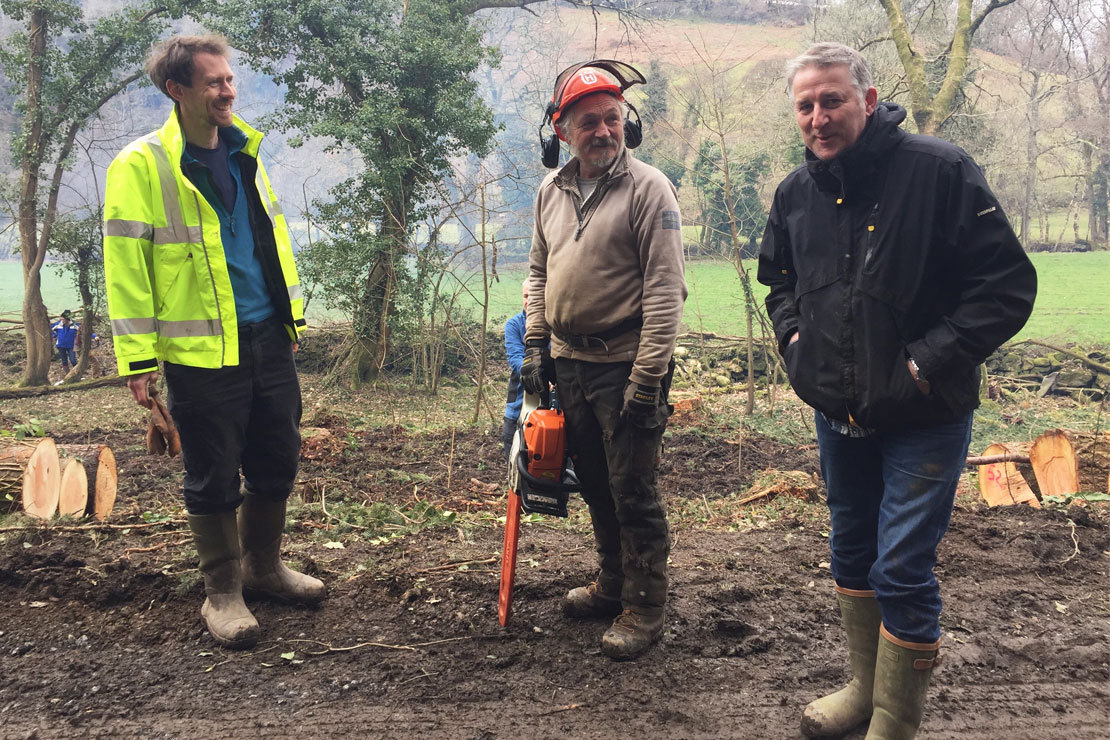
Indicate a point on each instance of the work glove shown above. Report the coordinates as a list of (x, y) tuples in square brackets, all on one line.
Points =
[(641, 405), (161, 436), (537, 370)]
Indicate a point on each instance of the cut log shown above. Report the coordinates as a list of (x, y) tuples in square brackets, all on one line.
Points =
[(1054, 464), (1092, 450), (100, 469), (1001, 484), (13, 461), (73, 495), (41, 479)]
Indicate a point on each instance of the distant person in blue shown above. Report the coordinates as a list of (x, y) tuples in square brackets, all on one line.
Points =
[(514, 350), (65, 337)]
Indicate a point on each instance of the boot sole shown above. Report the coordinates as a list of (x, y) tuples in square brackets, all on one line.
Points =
[(284, 598)]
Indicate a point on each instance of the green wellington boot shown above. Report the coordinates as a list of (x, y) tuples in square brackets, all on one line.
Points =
[(902, 673), (225, 614), (839, 712), (261, 525)]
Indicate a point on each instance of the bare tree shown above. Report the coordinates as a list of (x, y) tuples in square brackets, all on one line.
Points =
[(930, 109)]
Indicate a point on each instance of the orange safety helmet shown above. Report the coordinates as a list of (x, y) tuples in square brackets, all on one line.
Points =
[(580, 80), (584, 81)]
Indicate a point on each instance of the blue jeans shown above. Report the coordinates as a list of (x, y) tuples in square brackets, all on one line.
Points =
[(69, 357), (890, 500)]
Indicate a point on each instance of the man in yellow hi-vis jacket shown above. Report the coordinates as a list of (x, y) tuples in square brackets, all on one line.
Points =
[(200, 276)]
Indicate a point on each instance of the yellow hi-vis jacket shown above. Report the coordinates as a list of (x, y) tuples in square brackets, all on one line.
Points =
[(169, 294)]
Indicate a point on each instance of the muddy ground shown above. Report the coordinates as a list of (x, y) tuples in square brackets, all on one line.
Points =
[(100, 633)]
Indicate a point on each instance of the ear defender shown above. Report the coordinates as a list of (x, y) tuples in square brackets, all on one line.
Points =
[(633, 130), (549, 150), (549, 145), (579, 80)]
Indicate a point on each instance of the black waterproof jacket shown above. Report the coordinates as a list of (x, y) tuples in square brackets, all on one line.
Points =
[(897, 248)]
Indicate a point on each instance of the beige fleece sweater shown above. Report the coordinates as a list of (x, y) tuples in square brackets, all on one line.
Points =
[(596, 263)]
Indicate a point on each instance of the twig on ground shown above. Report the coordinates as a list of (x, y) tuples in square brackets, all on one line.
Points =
[(89, 527), (456, 564), (330, 649), (1074, 541), (160, 546), (566, 708)]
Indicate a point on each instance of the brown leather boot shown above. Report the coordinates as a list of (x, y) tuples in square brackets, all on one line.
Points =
[(632, 633), (590, 602), (835, 714), (261, 524), (225, 614), (902, 673)]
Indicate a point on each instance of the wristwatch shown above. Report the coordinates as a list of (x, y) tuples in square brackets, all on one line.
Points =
[(917, 374)]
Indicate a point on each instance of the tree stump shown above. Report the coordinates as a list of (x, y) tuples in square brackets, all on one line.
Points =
[(1054, 464), (1001, 484), (73, 495), (100, 470), (1093, 452), (41, 478)]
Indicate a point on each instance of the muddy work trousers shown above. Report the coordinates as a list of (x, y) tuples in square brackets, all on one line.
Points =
[(616, 460), (247, 415)]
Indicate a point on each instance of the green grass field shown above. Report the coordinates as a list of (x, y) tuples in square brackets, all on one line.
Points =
[(1072, 302)]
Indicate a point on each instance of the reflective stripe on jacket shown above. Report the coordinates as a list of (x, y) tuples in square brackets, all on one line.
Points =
[(169, 294)]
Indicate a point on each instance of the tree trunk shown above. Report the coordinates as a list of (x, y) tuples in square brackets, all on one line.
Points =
[(1033, 120), (35, 319)]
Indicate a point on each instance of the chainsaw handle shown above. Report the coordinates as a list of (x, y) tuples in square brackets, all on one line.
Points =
[(574, 486)]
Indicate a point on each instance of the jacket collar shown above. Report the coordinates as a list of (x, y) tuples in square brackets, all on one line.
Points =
[(173, 137), (859, 162), (567, 177)]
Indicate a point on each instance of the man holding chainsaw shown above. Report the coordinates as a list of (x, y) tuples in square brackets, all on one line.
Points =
[(606, 287), (893, 275)]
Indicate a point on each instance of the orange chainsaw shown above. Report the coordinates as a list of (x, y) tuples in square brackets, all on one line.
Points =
[(541, 479)]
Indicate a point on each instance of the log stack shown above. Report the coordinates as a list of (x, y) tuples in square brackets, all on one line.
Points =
[(76, 480)]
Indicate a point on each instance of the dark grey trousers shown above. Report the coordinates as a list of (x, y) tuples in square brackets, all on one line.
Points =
[(616, 462), (243, 416)]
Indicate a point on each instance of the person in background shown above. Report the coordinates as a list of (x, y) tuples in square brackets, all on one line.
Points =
[(65, 339), (514, 351), (894, 274)]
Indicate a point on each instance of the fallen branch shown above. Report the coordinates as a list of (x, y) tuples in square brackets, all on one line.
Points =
[(42, 390), (456, 564), (1082, 358), (992, 459), (330, 649), (90, 527)]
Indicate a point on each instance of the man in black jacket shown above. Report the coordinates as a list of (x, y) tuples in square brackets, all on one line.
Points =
[(893, 275)]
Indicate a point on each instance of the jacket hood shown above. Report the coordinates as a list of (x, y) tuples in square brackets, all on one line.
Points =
[(880, 135)]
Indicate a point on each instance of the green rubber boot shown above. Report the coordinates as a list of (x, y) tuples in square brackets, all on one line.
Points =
[(225, 614), (261, 525), (839, 712), (902, 673)]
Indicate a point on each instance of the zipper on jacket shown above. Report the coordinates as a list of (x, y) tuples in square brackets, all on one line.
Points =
[(212, 277), (872, 219)]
